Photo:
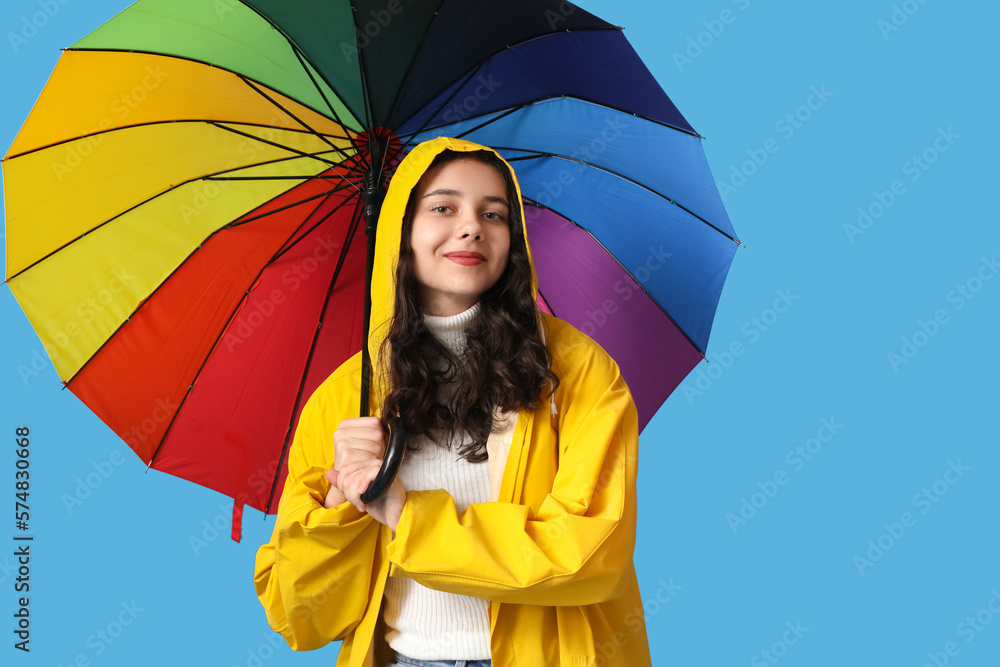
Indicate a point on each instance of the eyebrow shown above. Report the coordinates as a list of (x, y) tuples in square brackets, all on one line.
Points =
[(455, 193), (443, 191), (497, 200)]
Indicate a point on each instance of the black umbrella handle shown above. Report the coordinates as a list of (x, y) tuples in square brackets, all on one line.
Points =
[(371, 199), (390, 464)]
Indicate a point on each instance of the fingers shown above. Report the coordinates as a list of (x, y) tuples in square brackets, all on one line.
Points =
[(354, 479), (370, 422), (362, 439), (359, 447), (360, 429), (334, 496), (358, 439)]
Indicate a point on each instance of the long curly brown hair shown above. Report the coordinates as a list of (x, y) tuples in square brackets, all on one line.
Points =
[(505, 363)]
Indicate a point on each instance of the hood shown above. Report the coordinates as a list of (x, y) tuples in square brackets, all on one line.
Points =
[(390, 222)]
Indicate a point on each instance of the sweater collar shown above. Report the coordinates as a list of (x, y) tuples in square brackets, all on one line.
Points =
[(451, 330)]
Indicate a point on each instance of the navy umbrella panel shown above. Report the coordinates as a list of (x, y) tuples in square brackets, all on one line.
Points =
[(597, 66)]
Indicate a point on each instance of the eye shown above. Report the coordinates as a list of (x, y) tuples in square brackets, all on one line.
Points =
[(495, 215), (440, 209)]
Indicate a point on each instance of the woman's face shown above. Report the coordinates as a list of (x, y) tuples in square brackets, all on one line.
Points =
[(460, 235)]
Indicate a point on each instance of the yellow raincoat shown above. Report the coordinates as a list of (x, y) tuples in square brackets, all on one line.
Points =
[(553, 554)]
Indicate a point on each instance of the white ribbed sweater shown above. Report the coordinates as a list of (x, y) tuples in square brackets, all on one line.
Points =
[(423, 623)]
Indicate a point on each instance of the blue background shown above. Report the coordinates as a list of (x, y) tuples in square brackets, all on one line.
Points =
[(716, 591)]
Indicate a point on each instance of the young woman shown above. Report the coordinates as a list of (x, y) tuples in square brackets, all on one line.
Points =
[(508, 534)]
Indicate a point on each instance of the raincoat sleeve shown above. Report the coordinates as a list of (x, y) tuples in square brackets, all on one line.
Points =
[(316, 575), (570, 543)]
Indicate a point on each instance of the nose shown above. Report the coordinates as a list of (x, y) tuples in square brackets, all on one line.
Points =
[(469, 226)]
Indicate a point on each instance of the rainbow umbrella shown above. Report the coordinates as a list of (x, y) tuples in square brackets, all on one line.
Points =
[(183, 204)]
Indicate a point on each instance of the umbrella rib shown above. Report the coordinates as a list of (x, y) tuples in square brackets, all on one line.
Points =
[(298, 120), (413, 61), (150, 124), (315, 156), (292, 240), (474, 70), (494, 119), (221, 229), (541, 154), (545, 98), (318, 177), (560, 97), (336, 117), (142, 203), (627, 272), (244, 221), (301, 58), (414, 135), (232, 316), (355, 223), (363, 66), (305, 64), (220, 175)]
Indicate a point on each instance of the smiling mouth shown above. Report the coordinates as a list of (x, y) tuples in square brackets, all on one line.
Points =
[(466, 258)]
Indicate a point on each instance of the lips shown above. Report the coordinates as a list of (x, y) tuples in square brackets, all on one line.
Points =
[(466, 258)]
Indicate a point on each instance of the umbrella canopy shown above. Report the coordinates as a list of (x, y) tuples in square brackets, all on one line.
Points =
[(183, 204)]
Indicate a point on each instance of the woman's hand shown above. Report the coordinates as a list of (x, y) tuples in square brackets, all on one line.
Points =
[(334, 496), (359, 447), (387, 509)]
